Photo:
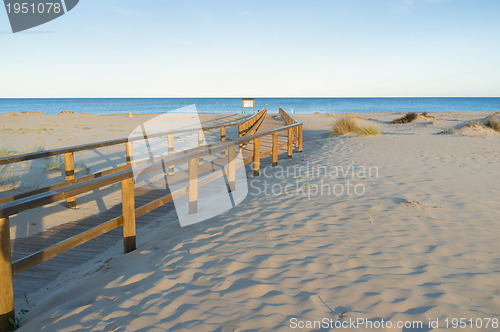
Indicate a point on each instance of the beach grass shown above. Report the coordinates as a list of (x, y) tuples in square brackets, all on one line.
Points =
[(53, 163), (26, 130), (8, 177), (368, 130), (494, 124), (82, 167), (425, 115), (409, 117), (34, 148), (6, 153), (474, 124), (345, 125)]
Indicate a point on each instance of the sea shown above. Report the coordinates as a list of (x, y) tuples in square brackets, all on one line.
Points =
[(234, 105)]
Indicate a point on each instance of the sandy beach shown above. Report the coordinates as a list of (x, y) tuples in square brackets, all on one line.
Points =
[(401, 227)]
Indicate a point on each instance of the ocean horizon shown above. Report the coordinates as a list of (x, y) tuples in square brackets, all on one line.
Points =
[(233, 105)]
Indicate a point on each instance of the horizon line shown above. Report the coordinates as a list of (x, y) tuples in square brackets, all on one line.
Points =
[(279, 97)]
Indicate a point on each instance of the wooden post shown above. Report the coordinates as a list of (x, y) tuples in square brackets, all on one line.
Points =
[(223, 134), (193, 185), (6, 287), (200, 143), (129, 151), (256, 156), (69, 168), (232, 168), (275, 148), (290, 142), (128, 210), (301, 137), (223, 139), (296, 130), (241, 133), (171, 169)]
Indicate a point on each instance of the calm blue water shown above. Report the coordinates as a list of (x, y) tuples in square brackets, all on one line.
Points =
[(233, 105)]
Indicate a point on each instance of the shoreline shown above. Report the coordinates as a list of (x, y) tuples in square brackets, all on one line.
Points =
[(232, 105)]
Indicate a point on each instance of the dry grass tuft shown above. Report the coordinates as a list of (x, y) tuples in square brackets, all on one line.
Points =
[(409, 117), (368, 130), (494, 124), (5, 153), (446, 131), (425, 115), (346, 124), (474, 124), (53, 163), (8, 177), (34, 148)]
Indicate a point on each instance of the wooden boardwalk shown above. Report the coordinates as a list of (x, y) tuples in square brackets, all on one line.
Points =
[(42, 275)]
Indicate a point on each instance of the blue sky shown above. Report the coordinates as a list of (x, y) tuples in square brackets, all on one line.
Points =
[(272, 48)]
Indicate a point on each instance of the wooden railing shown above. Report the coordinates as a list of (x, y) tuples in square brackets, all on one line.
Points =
[(125, 175), (69, 164), (297, 131)]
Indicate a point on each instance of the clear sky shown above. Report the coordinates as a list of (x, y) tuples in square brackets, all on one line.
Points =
[(270, 48)]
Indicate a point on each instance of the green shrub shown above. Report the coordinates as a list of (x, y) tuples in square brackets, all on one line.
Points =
[(409, 117)]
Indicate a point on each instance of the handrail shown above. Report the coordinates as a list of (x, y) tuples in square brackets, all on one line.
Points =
[(248, 127), (257, 123), (298, 132), (288, 116), (58, 194), (88, 177), (125, 175), (54, 152), (69, 152)]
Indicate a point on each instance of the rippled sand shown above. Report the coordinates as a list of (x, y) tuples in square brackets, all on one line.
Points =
[(421, 243)]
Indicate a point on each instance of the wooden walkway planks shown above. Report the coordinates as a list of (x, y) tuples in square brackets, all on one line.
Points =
[(43, 274)]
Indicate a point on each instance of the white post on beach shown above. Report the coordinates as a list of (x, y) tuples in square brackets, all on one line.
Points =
[(6, 286)]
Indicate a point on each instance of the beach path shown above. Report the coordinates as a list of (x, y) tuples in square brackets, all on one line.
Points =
[(41, 275)]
